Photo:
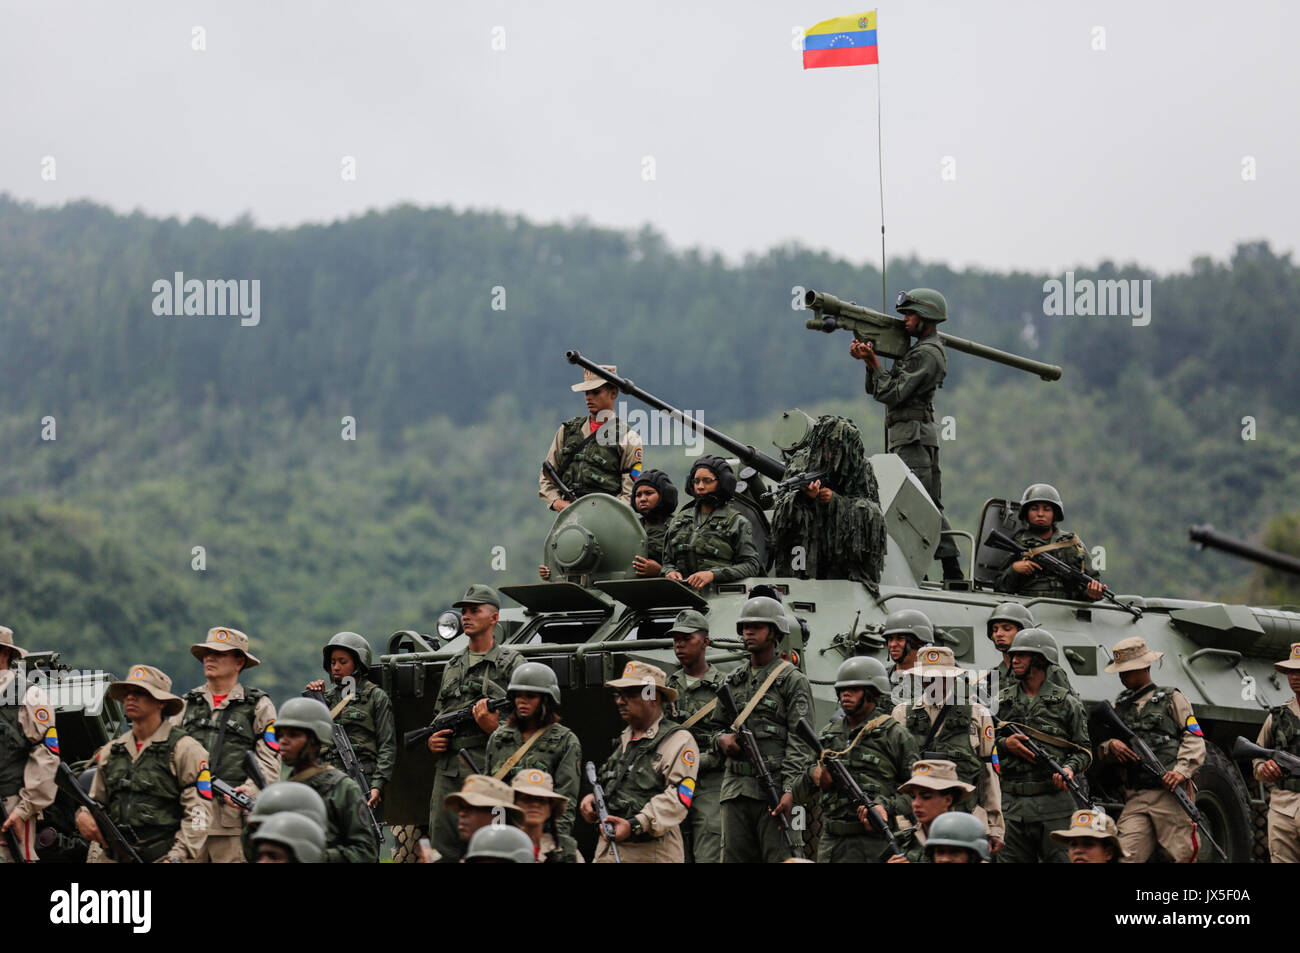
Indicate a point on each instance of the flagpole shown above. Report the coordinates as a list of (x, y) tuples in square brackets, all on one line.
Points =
[(880, 172)]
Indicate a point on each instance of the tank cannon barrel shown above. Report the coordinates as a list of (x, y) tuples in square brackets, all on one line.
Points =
[(889, 338), (770, 467), (1206, 535)]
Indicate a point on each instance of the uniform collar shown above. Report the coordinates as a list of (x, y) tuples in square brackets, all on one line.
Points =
[(236, 692), (650, 732), (160, 735)]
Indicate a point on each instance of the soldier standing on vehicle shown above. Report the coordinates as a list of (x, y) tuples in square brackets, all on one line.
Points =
[(1282, 730), (907, 390), (906, 630), (1163, 718), (29, 751), (649, 779), (878, 752), (303, 725), (711, 541), (655, 501), (229, 720), (696, 684), (362, 708), (1092, 838), (1040, 510), (532, 739), (776, 695), (595, 452), (1035, 800), (1003, 625), (466, 681), (153, 781), (957, 838), (935, 790), (945, 720)]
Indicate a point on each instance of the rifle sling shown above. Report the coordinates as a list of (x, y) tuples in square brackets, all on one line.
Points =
[(934, 728), (1061, 743), (1052, 547), (304, 776), (522, 750), (758, 695), (871, 725)]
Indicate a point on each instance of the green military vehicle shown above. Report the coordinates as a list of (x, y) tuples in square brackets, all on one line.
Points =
[(594, 615)]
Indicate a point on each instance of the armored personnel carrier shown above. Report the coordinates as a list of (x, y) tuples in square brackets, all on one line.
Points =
[(595, 615)]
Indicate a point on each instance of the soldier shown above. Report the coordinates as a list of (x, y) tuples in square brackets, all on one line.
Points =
[(878, 752), (302, 725), (696, 684), (482, 802), (229, 720), (1040, 510), (289, 839), (649, 779), (1092, 838), (533, 739), (153, 781), (29, 752), (1007, 620), (282, 797), (466, 681), (1282, 730), (957, 838), (596, 452), (500, 844), (1163, 718), (1035, 800), (950, 724), (655, 500), (710, 541), (935, 790), (776, 695), (906, 630), (362, 708), (535, 796), (907, 390)]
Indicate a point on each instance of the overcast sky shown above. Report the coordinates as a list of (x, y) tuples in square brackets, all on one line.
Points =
[(1063, 154)]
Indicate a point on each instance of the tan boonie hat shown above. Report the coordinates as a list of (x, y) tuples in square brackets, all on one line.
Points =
[(937, 661), (536, 783), (639, 675), (479, 790), (1292, 662), (591, 381), (7, 641), (690, 621), (1132, 654), (478, 595), (152, 680), (934, 776), (223, 639), (1095, 824)]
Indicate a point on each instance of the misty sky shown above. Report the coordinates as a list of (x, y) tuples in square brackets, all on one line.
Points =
[(1063, 155)]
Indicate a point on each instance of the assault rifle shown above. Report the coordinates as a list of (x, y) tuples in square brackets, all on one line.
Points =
[(565, 493), (119, 848), (453, 720), (800, 481), (1243, 748), (1040, 754), (1149, 761), (602, 812), (1056, 567), (254, 771), (844, 780), (352, 767), (749, 747)]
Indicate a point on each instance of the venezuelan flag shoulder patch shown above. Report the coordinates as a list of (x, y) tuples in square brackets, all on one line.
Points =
[(268, 737), (686, 791), (1194, 727), (52, 739), (204, 782), (997, 765)]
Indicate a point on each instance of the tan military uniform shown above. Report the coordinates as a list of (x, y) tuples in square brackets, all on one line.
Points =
[(629, 461), (36, 722), (188, 759), (676, 760), (223, 844), (1283, 805), (988, 790)]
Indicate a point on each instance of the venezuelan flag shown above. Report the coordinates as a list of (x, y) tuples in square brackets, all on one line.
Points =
[(268, 736), (842, 41), (204, 784), (997, 765), (52, 740), (686, 791), (1194, 727)]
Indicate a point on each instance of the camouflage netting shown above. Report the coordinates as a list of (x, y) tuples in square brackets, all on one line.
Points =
[(843, 539)]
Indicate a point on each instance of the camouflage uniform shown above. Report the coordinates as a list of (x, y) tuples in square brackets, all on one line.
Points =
[(557, 752), (1043, 583), (749, 833), (463, 683), (606, 460), (368, 721), (912, 843), (705, 818), (1281, 729), (348, 838), (29, 758), (655, 534), (722, 541), (1056, 675)]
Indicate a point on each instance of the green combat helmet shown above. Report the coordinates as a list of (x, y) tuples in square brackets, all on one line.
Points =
[(766, 610), (500, 842), (300, 834), (1010, 612), (309, 715), (537, 678), (1042, 493), (353, 643), (285, 797), (958, 829), (913, 623), (862, 672), (1036, 642), (926, 303)]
